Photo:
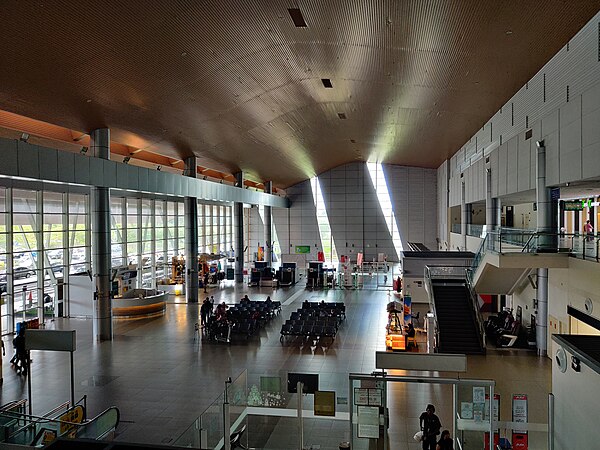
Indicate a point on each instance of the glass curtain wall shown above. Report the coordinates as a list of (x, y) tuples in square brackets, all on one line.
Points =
[(49, 240), (45, 236)]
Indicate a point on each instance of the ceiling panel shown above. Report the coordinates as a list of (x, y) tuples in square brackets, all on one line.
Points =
[(237, 84)]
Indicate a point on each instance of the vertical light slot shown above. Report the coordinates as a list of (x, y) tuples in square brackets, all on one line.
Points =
[(276, 246), (323, 223), (385, 203)]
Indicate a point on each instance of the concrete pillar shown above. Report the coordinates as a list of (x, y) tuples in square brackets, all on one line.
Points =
[(268, 227), (238, 224), (190, 205), (464, 217), (101, 258), (544, 225), (498, 212), (491, 214)]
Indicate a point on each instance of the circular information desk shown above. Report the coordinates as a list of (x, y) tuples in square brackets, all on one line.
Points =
[(139, 302)]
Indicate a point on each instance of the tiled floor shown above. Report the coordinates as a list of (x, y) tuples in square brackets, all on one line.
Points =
[(162, 379)]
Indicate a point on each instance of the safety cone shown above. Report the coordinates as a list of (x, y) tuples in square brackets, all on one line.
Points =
[(30, 296)]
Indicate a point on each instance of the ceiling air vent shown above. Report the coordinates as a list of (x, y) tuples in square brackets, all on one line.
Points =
[(297, 17), (327, 83), (342, 116)]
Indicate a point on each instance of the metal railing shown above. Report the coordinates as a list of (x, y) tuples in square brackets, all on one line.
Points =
[(512, 240)]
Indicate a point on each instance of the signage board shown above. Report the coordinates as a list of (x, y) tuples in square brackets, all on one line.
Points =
[(574, 205), (54, 340), (368, 422), (302, 249), (74, 415), (324, 403)]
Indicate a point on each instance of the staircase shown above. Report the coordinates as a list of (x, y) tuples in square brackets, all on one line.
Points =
[(457, 326)]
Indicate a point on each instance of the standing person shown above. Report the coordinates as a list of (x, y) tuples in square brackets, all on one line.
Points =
[(588, 228), (21, 353), (430, 426), (204, 312), (445, 442)]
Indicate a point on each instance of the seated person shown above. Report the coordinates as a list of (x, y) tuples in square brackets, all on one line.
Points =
[(305, 304), (410, 330), (268, 301), (322, 304), (221, 312), (245, 299)]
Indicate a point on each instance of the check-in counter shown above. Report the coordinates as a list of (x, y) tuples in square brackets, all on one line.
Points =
[(139, 302)]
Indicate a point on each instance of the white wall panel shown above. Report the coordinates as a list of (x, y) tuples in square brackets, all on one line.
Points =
[(512, 166)]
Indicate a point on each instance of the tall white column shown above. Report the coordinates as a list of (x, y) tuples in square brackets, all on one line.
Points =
[(543, 226), (464, 217), (101, 258), (238, 223), (268, 227), (491, 213), (190, 205)]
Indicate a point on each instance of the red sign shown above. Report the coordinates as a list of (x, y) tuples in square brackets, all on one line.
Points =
[(519, 437), (520, 441)]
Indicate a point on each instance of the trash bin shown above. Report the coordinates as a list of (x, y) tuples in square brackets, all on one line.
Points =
[(344, 446)]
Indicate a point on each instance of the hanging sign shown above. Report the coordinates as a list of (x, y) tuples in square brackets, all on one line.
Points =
[(302, 249)]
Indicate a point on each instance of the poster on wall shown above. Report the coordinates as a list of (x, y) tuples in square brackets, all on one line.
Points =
[(368, 422), (260, 255), (359, 259)]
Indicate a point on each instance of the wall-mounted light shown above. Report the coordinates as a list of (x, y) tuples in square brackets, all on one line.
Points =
[(24, 137), (159, 168), (126, 159), (83, 150), (539, 143)]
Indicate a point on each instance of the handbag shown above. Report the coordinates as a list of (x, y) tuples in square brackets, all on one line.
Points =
[(418, 436)]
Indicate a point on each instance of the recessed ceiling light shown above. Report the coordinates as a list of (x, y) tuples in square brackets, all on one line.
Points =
[(297, 17), (509, 32), (342, 116), (327, 83), (353, 141)]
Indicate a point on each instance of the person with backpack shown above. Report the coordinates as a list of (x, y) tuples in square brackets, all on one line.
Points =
[(430, 426)]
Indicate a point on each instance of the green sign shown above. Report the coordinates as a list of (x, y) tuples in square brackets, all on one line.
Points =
[(574, 205), (302, 249)]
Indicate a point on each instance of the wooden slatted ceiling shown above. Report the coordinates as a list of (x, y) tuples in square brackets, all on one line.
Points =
[(237, 84)]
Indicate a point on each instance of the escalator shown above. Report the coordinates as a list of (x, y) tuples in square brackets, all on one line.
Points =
[(18, 427), (458, 330)]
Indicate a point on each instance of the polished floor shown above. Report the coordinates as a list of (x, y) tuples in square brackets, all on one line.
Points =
[(161, 378)]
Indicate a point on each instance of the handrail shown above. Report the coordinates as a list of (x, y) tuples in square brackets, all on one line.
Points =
[(13, 404), (429, 290), (475, 308)]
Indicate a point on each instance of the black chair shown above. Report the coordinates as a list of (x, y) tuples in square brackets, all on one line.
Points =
[(236, 438)]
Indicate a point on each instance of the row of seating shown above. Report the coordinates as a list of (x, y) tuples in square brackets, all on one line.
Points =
[(314, 323), (243, 319)]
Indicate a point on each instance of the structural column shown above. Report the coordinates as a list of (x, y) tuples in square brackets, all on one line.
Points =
[(268, 227), (190, 205), (544, 225), (490, 203), (101, 258), (238, 224), (464, 217)]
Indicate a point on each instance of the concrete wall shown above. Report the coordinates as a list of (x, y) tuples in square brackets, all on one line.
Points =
[(561, 105), (473, 243), (524, 216), (355, 217)]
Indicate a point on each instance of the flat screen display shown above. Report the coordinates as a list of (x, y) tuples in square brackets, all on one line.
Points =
[(309, 380)]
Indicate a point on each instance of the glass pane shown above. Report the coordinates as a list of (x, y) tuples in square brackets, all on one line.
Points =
[(78, 255), (2, 243), (77, 222), (116, 206), (78, 204), (24, 241), (132, 249), (24, 201), (53, 202), (77, 238), (55, 257), (53, 239), (159, 207)]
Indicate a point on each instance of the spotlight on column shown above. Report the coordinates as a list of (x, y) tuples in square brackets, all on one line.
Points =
[(83, 150), (126, 159), (159, 168), (539, 143), (24, 137)]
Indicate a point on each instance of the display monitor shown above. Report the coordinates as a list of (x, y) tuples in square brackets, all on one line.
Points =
[(310, 382)]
